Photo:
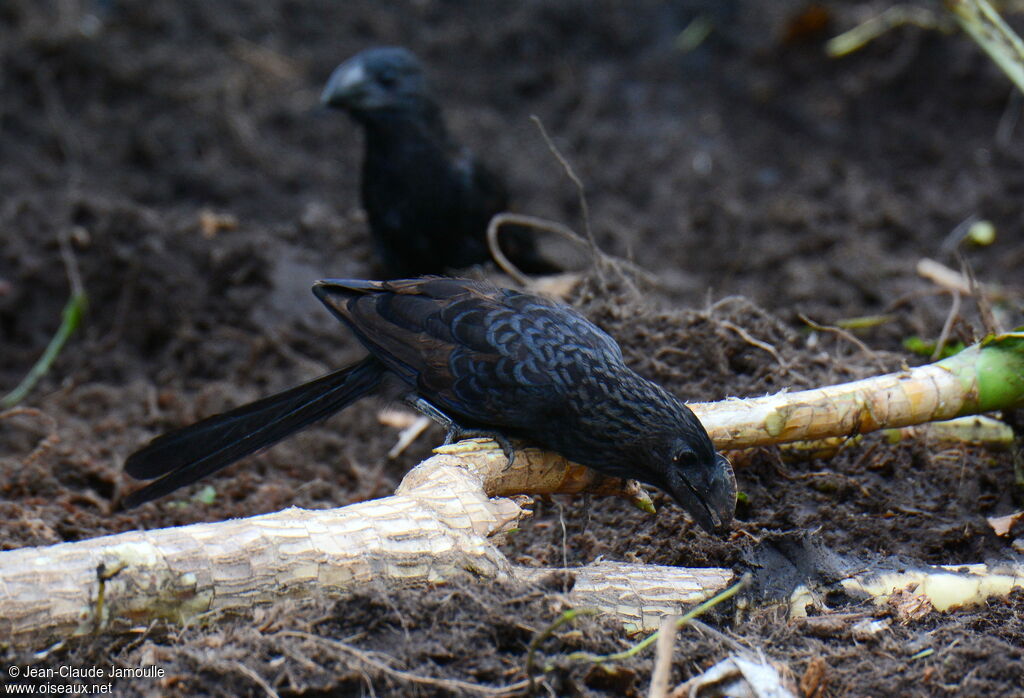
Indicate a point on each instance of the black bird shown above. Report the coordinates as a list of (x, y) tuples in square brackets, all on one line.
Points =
[(427, 199), (482, 360)]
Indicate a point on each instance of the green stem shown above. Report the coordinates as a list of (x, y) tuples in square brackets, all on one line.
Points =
[(981, 21), (650, 639), (991, 373), (895, 16), (71, 317)]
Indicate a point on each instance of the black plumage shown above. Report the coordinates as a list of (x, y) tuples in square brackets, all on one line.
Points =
[(483, 359), (427, 199)]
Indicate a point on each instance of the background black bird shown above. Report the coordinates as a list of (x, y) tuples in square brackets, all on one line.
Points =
[(427, 199), (487, 360)]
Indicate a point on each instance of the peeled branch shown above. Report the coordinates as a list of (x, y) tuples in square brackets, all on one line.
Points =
[(437, 526), (983, 377), (439, 523), (912, 593), (976, 430)]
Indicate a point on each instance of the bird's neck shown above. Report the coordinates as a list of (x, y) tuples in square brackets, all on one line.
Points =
[(651, 402), (391, 127)]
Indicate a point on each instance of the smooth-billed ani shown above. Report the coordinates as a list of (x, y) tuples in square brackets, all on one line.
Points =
[(428, 200), (482, 359)]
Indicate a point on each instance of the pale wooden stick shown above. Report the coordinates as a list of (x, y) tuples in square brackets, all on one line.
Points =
[(943, 276), (911, 593), (437, 524), (436, 527), (663, 658), (981, 378), (639, 595)]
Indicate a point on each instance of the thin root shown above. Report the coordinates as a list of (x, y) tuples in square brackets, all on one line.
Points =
[(840, 332), (947, 326), (453, 686), (45, 443), (752, 340), (560, 229)]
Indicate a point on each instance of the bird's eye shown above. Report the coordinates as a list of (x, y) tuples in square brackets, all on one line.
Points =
[(683, 456), (387, 79)]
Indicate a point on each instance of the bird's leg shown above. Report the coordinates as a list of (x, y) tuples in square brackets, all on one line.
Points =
[(456, 432), (428, 410)]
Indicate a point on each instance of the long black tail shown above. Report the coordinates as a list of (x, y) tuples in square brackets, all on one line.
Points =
[(185, 455)]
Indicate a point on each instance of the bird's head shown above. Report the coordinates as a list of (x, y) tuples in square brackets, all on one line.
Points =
[(701, 480), (376, 79)]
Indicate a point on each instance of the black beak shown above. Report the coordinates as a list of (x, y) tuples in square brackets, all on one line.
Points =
[(707, 493), (346, 84)]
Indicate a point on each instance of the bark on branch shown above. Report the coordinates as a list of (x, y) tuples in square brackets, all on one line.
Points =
[(437, 526)]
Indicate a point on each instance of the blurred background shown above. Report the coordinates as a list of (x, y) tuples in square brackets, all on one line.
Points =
[(181, 147)]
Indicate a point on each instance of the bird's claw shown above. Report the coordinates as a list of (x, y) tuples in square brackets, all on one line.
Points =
[(458, 433)]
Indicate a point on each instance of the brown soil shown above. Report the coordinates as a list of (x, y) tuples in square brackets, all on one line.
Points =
[(752, 166)]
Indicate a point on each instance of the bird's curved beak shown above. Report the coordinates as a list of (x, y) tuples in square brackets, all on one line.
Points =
[(347, 83), (708, 494)]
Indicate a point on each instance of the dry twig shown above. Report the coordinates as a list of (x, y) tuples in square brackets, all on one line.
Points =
[(947, 326), (845, 334), (454, 686), (663, 657)]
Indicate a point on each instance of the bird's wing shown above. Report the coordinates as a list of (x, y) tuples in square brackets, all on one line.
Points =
[(485, 354)]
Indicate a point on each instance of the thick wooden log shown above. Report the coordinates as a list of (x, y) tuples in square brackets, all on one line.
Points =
[(437, 526)]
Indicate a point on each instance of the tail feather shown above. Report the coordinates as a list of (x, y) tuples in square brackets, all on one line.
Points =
[(185, 455)]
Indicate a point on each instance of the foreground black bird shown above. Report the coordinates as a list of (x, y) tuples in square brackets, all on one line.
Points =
[(427, 199), (482, 360)]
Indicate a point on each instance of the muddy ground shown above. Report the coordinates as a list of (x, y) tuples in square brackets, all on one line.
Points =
[(749, 166)]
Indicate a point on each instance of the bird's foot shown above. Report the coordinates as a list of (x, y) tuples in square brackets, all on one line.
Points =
[(456, 432)]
